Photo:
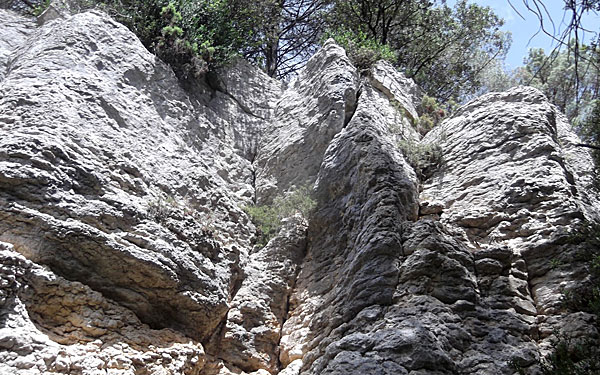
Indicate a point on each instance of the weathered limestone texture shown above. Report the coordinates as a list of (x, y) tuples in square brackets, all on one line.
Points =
[(315, 107), (15, 31), (83, 332), (125, 247), (112, 176)]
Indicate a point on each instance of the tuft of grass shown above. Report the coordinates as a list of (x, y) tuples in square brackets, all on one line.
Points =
[(162, 208)]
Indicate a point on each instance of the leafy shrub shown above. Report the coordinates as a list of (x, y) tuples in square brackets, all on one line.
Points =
[(191, 36), (424, 158), (268, 218), (426, 123), (572, 357), (298, 201), (362, 50), (432, 114), (174, 45), (40, 8)]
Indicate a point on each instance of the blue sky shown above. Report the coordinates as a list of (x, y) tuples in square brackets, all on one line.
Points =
[(523, 30)]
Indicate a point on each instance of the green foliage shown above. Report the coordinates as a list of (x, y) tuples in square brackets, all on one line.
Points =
[(172, 31), (571, 357), (425, 159), (201, 35), (298, 201), (432, 114), (589, 129), (268, 218), (287, 32), (363, 50), (192, 36), (40, 8), (176, 47), (570, 84), (428, 40), (434, 44), (426, 123), (494, 77), (590, 126)]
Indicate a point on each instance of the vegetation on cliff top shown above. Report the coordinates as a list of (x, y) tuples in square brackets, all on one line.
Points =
[(453, 53), (428, 40)]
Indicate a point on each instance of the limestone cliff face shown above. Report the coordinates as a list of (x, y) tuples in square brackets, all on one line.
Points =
[(125, 248)]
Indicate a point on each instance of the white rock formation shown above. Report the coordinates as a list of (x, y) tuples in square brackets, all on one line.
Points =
[(125, 248)]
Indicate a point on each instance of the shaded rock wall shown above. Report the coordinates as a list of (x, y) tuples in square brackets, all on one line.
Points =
[(125, 247)]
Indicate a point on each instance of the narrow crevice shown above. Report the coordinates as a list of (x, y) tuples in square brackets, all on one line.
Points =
[(401, 230), (254, 194), (112, 112), (286, 313), (283, 320), (212, 344), (479, 290), (253, 171), (350, 108), (530, 290), (568, 175), (239, 276)]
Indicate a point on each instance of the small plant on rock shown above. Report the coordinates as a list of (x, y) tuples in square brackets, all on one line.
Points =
[(424, 158), (40, 8), (161, 208), (268, 218), (555, 263), (298, 201), (432, 114), (175, 47), (571, 357)]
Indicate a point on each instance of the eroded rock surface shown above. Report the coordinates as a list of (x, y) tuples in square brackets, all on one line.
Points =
[(315, 107), (125, 247), (83, 332)]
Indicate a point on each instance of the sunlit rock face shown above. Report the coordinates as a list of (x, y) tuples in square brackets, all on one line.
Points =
[(125, 247)]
